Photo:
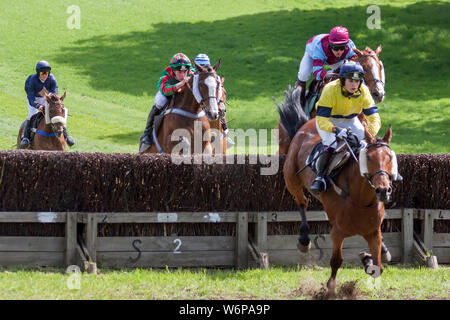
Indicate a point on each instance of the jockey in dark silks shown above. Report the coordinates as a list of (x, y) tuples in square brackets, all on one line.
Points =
[(33, 85)]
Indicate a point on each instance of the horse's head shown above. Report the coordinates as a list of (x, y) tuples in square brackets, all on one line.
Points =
[(378, 164), (55, 113), (374, 71), (207, 89)]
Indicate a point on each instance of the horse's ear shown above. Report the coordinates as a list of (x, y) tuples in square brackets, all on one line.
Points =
[(216, 66), (63, 96), (369, 138), (198, 67), (378, 50), (358, 52), (388, 135)]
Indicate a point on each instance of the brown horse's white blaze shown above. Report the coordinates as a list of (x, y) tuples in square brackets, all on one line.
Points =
[(58, 121), (213, 88), (382, 176), (374, 72)]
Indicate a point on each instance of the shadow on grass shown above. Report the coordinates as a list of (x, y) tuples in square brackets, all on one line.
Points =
[(261, 52)]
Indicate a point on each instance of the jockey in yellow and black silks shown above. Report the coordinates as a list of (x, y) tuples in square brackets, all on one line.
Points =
[(341, 102)]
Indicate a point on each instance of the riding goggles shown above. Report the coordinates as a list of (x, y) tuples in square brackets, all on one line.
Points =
[(337, 47)]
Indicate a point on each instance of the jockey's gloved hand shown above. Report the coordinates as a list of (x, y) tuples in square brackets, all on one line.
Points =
[(341, 133)]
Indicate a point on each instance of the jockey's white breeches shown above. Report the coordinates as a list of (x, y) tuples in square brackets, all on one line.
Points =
[(354, 124), (31, 110), (160, 100)]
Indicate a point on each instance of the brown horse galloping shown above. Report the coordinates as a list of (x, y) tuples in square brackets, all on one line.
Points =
[(189, 114), (374, 78), (367, 184), (49, 132)]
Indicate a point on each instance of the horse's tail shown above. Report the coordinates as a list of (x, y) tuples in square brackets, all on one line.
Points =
[(292, 116)]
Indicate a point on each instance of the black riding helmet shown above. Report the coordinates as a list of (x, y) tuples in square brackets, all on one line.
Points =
[(43, 66)]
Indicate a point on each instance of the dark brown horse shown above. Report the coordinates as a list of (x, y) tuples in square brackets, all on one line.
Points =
[(373, 77), (49, 132), (367, 184), (187, 118)]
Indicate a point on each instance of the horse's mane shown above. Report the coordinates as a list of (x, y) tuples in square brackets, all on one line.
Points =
[(291, 112)]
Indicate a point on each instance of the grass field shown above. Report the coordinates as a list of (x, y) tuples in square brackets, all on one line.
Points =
[(396, 282), (110, 65)]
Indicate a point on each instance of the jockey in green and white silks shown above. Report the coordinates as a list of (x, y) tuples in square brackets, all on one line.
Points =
[(170, 82)]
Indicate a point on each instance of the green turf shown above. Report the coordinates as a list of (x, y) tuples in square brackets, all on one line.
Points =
[(396, 282), (110, 66)]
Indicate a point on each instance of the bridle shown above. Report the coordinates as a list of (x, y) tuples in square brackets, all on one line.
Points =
[(369, 176), (196, 92), (374, 56)]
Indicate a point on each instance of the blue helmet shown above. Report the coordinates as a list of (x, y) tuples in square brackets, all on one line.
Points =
[(43, 66), (202, 59), (351, 70)]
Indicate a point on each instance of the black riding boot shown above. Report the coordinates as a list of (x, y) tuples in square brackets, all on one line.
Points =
[(319, 184), (303, 94), (147, 135), (25, 139), (69, 140)]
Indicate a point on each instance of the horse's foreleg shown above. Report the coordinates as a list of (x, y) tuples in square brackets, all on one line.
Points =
[(336, 260), (304, 243), (374, 242)]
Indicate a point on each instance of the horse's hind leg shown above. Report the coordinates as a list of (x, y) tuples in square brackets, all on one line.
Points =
[(336, 260), (385, 254)]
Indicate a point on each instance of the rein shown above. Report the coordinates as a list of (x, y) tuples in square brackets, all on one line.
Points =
[(382, 171), (368, 177)]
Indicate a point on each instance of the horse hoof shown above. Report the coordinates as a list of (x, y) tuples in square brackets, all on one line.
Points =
[(386, 257), (302, 248)]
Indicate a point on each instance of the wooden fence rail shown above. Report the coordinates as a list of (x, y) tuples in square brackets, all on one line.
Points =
[(241, 250)]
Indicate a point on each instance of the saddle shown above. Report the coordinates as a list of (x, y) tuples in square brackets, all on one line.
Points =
[(338, 160), (159, 118), (34, 122), (313, 94)]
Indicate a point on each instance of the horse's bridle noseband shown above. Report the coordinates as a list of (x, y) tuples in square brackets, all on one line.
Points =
[(369, 176)]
